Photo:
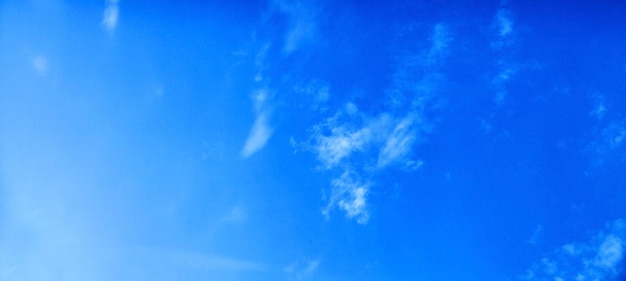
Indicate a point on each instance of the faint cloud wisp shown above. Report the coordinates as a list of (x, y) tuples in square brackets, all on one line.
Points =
[(302, 23), (261, 131), (503, 42), (504, 28), (598, 259), (302, 269), (40, 63), (111, 15)]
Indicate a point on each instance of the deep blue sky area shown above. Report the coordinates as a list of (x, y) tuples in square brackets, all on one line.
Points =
[(312, 140)]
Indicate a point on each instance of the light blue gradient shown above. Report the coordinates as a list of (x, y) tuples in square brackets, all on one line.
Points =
[(312, 140)]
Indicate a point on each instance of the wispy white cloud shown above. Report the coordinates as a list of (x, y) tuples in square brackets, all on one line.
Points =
[(335, 142), (505, 74), (598, 259), (440, 39), (412, 63), (413, 165), (609, 253), (609, 143), (503, 39), (501, 80), (399, 142), (303, 16), (356, 144), (312, 267), (614, 134), (416, 76), (338, 139), (261, 132), (350, 195), (342, 142), (504, 29), (111, 15), (258, 137), (504, 23), (367, 143), (259, 61)]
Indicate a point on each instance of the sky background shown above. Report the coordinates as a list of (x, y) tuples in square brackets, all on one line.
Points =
[(312, 140)]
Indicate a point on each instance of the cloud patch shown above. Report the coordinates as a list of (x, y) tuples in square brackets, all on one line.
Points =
[(614, 135), (111, 15), (356, 145), (440, 40), (504, 29), (350, 135), (598, 259), (504, 23), (503, 42), (349, 195), (333, 141), (609, 143)]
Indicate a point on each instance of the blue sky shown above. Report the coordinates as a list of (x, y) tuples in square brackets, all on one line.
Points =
[(312, 140)]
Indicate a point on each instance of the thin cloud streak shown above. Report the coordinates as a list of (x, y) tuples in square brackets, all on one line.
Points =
[(261, 132), (440, 39), (258, 137), (399, 142)]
